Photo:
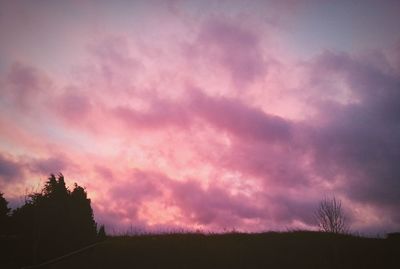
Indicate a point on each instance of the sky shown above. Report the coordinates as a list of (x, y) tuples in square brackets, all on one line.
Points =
[(205, 115)]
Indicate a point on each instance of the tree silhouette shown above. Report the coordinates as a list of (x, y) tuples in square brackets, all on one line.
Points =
[(83, 225), (102, 233), (55, 220), (330, 216), (4, 214)]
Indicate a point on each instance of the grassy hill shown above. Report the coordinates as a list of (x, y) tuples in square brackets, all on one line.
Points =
[(236, 250)]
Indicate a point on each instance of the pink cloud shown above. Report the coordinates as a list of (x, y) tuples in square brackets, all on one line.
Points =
[(202, 121), (235, 48), (73, 106), (23, 84), (213, 206)]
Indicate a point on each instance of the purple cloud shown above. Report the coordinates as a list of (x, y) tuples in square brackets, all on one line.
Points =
[(361, 139), (238, 118), (46, 166), (10, 170), (24, 84), (236, 48), (73, 106)]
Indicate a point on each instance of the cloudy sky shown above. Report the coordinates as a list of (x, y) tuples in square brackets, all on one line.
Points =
[(205, 115)]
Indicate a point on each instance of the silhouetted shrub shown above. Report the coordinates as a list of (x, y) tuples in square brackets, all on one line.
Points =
[(330, 216), (394, 236)]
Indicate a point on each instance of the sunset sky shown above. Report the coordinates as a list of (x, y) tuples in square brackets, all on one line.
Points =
[(207, 115)]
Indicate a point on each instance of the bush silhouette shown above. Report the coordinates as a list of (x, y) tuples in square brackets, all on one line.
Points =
[(330, 216)]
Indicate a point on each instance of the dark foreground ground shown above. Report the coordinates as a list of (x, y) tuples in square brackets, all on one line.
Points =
[(267, 250)]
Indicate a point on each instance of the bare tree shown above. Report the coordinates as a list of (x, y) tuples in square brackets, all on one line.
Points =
[(330, 216)]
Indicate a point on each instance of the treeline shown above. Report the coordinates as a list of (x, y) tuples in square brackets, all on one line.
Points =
[(50, 223)]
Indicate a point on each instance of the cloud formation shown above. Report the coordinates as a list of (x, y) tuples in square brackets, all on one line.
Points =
[(10, 170), (202, 117)]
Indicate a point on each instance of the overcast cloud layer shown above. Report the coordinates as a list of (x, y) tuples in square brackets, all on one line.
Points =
[(205, 115)]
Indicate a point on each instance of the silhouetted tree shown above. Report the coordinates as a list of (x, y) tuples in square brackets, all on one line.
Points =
[(102, 233), (82, 223), (330, 216), (4, 214), (55, 220), (22, 226)]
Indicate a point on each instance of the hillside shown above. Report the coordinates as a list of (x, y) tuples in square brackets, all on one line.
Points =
[(266, 250)]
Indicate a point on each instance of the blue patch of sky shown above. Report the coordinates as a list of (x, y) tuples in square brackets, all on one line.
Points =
[(344, 26)]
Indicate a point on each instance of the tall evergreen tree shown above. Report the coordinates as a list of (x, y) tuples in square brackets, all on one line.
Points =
[(4, 214), (82, 223)]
